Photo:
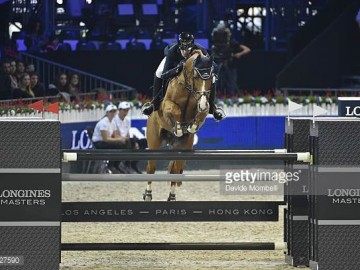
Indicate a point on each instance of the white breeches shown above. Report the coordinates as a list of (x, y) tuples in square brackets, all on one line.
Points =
[(160, 68)]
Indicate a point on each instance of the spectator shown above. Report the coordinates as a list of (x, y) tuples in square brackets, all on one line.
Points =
[(62, 82), (20, 68), (60, 87), (106, 137), (24, 90), (36, 86), (157, 43), (102, 96), (29, 68), (13, 78), (52, 44), (123, 125), (135, 45), (225, 51), (74, 86), (5, 85)]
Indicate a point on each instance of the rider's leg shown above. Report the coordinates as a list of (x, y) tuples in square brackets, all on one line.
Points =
[(218, 113), (148, 108)]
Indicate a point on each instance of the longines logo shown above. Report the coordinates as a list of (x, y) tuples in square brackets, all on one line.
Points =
[(344, 196), (25, 193), (350, 192), (353, 111), (20, 197)]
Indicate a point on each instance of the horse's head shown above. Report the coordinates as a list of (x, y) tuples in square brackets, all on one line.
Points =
[(198, 74)]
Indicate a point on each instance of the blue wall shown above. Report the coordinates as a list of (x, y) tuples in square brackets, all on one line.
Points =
[(265, 132)]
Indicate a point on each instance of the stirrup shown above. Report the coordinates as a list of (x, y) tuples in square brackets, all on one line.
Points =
[(171, 198), (219, 114), (147, 196), (147, 108)]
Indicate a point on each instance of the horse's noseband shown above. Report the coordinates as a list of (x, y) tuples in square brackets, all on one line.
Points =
[(204, 73)]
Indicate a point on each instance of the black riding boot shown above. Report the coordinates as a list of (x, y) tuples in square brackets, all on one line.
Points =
[(148, 107), (218, 113)]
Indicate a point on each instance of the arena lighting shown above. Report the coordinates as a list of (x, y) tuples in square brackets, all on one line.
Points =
[(59, 2), (89, 2)]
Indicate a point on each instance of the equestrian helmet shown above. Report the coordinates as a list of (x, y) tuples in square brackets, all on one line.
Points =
[(185, 40)]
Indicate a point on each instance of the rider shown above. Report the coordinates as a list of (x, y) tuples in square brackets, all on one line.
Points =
[(170, 66)]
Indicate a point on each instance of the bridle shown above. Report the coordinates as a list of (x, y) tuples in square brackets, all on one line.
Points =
[(203, 73)]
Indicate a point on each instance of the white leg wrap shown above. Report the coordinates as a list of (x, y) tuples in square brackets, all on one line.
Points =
[(193, 128), (172, 189)]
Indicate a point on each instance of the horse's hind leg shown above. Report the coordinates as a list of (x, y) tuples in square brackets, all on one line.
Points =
[(154, 142), (151, 167), (177, 166)]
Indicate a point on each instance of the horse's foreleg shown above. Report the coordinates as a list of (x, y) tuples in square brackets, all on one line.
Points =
[(172, 113), (198, 122)]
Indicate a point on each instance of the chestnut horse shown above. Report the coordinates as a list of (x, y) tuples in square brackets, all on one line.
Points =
[(181, 114)]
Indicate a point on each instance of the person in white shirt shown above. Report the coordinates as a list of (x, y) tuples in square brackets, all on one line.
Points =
[(123, 125), (106, 137)]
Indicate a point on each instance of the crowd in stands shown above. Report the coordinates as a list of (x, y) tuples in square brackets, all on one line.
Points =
[(19, 80), (36, 41)]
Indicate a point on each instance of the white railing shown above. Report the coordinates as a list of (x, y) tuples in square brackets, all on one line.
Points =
[(87, 115)]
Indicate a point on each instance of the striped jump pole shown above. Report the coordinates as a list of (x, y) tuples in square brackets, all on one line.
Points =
[(78, 177), (173, 246), (100, 154)]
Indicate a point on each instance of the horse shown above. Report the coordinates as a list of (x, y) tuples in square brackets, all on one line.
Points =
[(181, 114)]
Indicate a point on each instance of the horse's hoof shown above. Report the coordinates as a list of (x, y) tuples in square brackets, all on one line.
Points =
[(171, 198), (178, 132), (147, 196), (193, 128)]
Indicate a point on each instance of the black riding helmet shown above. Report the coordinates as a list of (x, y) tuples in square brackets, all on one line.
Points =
[(185, 40)]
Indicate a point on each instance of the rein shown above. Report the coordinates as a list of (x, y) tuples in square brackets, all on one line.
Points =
[(191, 89)]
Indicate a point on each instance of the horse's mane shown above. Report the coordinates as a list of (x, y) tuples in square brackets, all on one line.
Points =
[(197, 51), (194, 54)]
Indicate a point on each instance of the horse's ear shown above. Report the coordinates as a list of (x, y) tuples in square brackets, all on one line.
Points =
[(197, 60)]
